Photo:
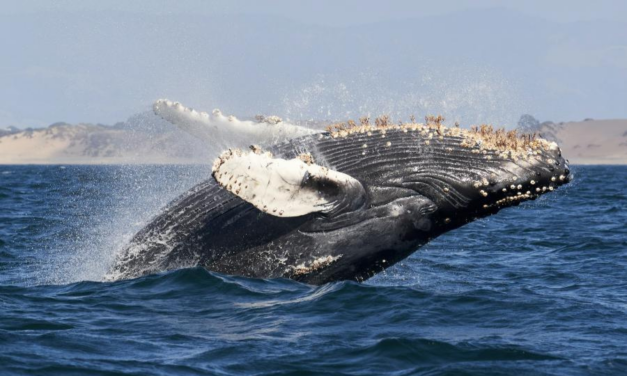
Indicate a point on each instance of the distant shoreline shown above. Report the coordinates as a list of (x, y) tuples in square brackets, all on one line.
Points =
[(589, 142)]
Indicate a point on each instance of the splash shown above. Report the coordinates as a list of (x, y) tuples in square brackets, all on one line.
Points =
[(115, 202), (104, 207), (472, 95), (468, 95)]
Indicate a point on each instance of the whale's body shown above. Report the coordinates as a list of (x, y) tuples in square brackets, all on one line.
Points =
[(415, 182)]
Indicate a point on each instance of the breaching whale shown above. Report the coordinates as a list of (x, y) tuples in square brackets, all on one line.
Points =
[(343, 204)]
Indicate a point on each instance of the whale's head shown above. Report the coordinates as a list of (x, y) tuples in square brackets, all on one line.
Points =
[(366, 197), (424, 180), (476, 174), (466, 173)]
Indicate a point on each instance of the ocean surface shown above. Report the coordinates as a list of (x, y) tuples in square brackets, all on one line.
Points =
[(540, 289)]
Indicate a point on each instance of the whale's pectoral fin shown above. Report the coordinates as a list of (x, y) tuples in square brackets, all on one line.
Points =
[(198, 124), (216, 127), (287, 188)]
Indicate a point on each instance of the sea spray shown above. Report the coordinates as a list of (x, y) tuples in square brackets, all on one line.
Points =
[(467, 94), (105, 206), (139, 193)]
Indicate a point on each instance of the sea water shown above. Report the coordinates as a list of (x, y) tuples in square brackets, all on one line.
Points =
[(540, 289)]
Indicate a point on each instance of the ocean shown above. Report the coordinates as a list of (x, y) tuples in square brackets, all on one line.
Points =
[(540, 289)]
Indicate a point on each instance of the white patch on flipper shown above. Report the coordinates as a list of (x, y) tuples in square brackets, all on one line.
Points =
[(283, 187), (216, 127)]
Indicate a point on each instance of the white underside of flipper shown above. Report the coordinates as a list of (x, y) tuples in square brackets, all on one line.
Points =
[(216, 128), (286, 188)]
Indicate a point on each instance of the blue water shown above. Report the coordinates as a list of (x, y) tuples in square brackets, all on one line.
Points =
[(539, 289)]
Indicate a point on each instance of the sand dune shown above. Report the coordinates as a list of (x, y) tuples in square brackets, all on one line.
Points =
[(98, 144)]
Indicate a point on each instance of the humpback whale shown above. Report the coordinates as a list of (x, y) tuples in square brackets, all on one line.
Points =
[(340, 204)]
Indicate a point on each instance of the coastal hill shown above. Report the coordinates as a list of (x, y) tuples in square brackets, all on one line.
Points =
[(62, 143), (583, 142), (590, 141)]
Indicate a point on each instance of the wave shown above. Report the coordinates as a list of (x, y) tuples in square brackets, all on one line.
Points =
[(210, 322), (544, 296)]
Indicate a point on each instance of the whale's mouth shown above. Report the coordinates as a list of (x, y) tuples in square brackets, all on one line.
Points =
[(509, 184), (530, 190), (538, 178)]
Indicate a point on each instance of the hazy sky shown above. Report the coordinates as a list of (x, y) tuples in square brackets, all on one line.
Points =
[(338, 12), (103, 61)]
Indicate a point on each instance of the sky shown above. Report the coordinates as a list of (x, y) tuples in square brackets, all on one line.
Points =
[(334, 12), (473, 61)]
